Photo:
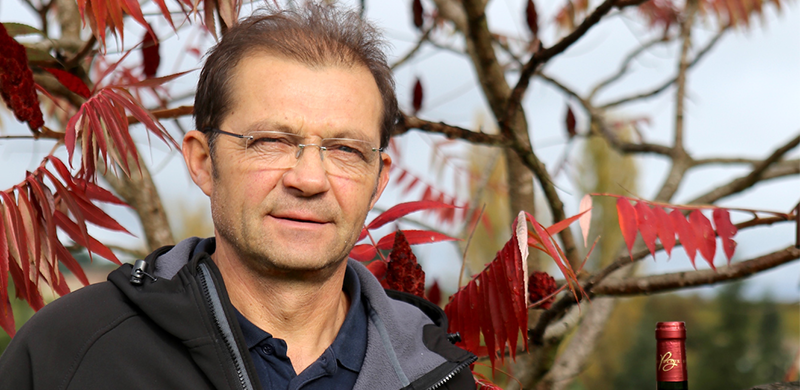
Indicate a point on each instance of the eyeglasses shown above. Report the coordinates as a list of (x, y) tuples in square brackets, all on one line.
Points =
[(278, 150)]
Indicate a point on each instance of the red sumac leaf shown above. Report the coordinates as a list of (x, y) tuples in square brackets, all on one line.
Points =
[(378, 268), (665, 230), (508, 312), (435, 293), (418, 12), (685, 233), (403, 209), (417, 96), (487, 305), (72, 82), (415, 237), (90, 243), (6, 313), (627, 222), (706, 239), (150, 56), (725, 230), (363, 252), (570, 121), (646, 222), (485, 384), (532, 18)]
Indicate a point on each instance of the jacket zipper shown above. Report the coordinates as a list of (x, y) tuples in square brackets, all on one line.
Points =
[(453, 373), (214, 304)]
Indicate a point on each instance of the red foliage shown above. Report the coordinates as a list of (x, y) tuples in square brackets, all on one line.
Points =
[(418, 11), (366, 252), (435, 293), (532, 18), (695, 234), (403, 272), (150, 56), (570, 120), (417, 97), (660, 13), (16, 82), (72, 82), (540, 286), (101, 125), (30, 248), (494, 303)]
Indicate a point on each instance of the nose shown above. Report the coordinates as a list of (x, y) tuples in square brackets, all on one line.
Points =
[(308, 176)]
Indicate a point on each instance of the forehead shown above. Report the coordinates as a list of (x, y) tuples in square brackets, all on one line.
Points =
[(269, 92)]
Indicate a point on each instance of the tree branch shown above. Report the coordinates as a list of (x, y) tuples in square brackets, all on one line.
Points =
[(411, 122), (663, 87), (543, 55), (414, 50), (748, 181), (679, 280), (557, 310), (626, 63), (167, 113)]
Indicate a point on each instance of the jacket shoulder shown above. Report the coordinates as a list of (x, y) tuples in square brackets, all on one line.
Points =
[(50, 346)]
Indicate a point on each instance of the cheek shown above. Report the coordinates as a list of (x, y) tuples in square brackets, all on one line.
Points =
[(255, 186)]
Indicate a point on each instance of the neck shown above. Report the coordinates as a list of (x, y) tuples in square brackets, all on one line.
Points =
[(306, 311)]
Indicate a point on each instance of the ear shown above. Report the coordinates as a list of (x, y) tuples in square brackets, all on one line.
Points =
[(383, 180), (197, 156)]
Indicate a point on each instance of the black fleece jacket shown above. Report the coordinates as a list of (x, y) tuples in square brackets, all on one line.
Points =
[(177, 330)]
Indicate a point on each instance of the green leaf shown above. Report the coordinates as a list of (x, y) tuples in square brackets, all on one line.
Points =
[(15, 29), (37, 55)]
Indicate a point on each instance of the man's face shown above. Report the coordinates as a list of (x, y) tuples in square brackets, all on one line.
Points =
[(301, 218)]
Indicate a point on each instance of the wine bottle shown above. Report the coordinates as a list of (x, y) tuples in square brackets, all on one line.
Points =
[(671, 356)]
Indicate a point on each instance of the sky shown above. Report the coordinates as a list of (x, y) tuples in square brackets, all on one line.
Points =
[(743, 100)]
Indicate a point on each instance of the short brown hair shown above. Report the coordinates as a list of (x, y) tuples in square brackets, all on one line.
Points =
[(314, 35)]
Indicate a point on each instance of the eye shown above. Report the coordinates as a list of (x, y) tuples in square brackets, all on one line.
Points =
[(348, 150), (271, 139)]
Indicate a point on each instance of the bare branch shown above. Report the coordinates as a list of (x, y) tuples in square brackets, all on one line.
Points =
[(453, 132), (167, 113), (663, 87), (748, 181), (543, 55), (422, 39), (679, 280), (625, 66)]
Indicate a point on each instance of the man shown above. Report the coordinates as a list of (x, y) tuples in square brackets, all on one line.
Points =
[(293, 112)]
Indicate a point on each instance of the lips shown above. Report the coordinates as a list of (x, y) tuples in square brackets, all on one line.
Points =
[(300, 217)]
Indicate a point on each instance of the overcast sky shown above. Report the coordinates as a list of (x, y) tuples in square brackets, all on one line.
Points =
[(743, 101)]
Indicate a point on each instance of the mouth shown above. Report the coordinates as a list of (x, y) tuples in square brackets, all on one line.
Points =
[(300, 219)]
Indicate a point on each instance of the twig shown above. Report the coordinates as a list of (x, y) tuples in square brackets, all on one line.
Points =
[(83, 52), (668, 83), (167, 113), (624, 66), (469, 240), (414, 50), (752, 178), (678, 280), (543, 55)]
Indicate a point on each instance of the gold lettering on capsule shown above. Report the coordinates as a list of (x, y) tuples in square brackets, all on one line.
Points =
[(667, 363)]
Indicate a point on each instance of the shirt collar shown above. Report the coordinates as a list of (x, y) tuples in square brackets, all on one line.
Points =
[(350, 343)]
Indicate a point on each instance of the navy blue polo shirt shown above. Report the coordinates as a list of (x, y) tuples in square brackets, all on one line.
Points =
[(337, 368)]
